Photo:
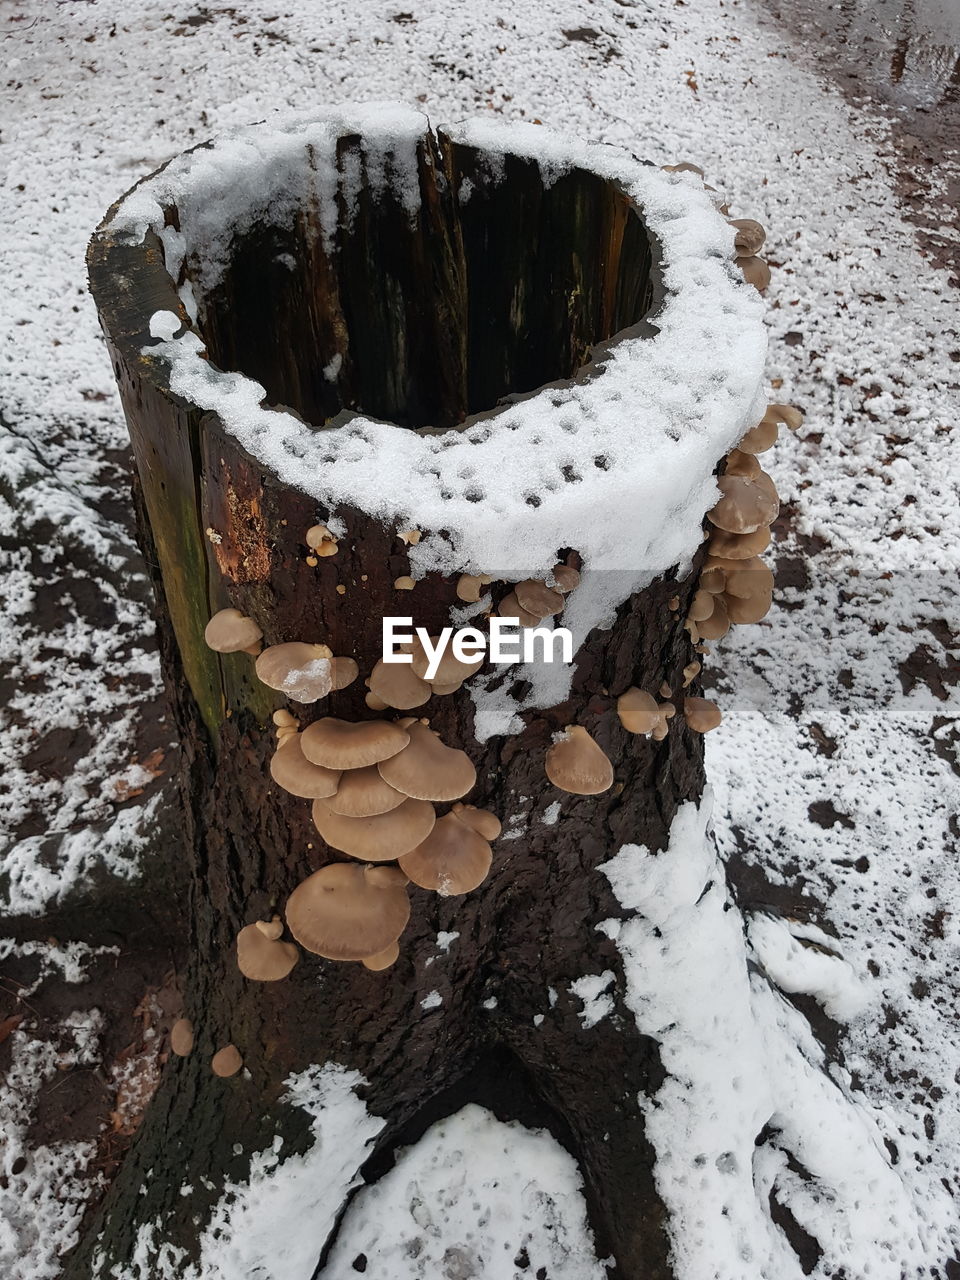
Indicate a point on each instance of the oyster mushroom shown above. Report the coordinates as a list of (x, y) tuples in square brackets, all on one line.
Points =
[(362, 793), (482, 821), (344, 744), (303, 672), (750, 236), (638, 711), (537, 599), (746, 504), (226, 1062), (701, 715), (576, 764), (382, 837), (231, 631), (181, 1037), (396, 684), (264, 959), (427, 769), (453, 859), (321, 541), (291, 770), (383, 959), (755, 271), (349, 912)]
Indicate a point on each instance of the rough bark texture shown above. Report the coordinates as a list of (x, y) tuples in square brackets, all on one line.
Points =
[(532, 925)]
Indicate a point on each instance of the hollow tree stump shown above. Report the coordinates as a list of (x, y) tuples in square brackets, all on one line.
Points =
[(366, 271)]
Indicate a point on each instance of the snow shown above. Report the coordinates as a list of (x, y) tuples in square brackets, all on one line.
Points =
[(467, 1200), (597, 1000), (747, 1090)]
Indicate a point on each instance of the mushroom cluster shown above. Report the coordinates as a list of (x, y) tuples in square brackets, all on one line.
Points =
[(534, 599), (639, 712), (749, 235)]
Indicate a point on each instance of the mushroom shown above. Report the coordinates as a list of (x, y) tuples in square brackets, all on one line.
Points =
[(790, 417), (563, 578), (746, 504), (759, 438), (272, 929), (410, 536), (452, 860), (510, 607), (718, 624), (427, 769), (264, 959), (383, 959), (711, 580), (690, 673), (303, 672), (349, 912), (755, 271), (537, 598), (750, 236), (396, 684), (291, 770), (683, 167), (226, 1062), (662, 728), (321, 541), (470, 585), (450, 670), (403, 583), (230, 631), (380, 837), (482, 821), (740, 463), (638, 711), (751, 578), (739, 546), (344, 744), (701, 606), (748, 609), (181, 1037), (362, 793), (576, 764), (701, 715)]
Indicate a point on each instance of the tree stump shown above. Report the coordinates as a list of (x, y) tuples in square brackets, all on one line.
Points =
[(529, 351)]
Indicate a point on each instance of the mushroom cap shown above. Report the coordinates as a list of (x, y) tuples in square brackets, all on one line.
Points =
[(272, 929), (537, 598), (181, 1037), (362, 793), (718, 624), (565, 578), (452, 860), (701, 714), (712, 580), (449, 670), (300, 671), (231, 631), (755, 271), (383, 959), (396, 684), (510, 607), (482, 821), (349, 912), (343, 672), (226, 1061), (291, 770), (263, 959), (379, 838), (638, 711), (790, 416), (470, 586), (740, 463), (752, 578), (701, 606), (345, 744), (746, 504), (426, 769), (739, 546), (317, 535), (759, 438), (576, 764), (750, 609), (750, 235)]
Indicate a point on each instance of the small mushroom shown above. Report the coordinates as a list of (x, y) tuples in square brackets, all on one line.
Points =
[(403, 583), (453, 859), (301, 671), (410, 536), (750, 236), (755, 271), (760, 438), (684, 167), (382, 837), (746, 504), (537, 598), (470, 586), (291, 770), (321, 541), (510, 607), (667, 711), (230, 631), (272, 929), (482, 821), (576, 764), (563, 578), (749, 609), (264, 959), (349, 912), (739, 546), (752, 578), (791, 418), (739, 463), (701, 606), (345, 744), (226, 1062), (181, 1037), (718, 624), (427, 769), (374, 703), (701, 715), (383, 959), (362, 793), (638, 711), (690, 673), (396, 684)]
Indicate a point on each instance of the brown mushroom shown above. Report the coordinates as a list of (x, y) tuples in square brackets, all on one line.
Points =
[(638, 711), (741, 464), (321, 541), (181, 1037), (739, 546), (264, 959), (690, 673), (510, 607), (701, 606), (344, 744), (563, 578), (750, 236), (383, 959), (379, 838), (362, 793), (711, 580), (576, 764), (786, 413), (746, 504), (349, 912), (272, 929), (300, 671), (452, 860), (396, 684), (537, 598), (755, 271), (427, 769), (718, 624), (759, 438), (684, 167), (291, 770), (230, 631), (482, 821), (470, 586), (701, 715), (749, 609), (226, 1062), (752, 578)]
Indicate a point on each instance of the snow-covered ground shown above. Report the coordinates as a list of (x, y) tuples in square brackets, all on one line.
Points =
[(836, 767)]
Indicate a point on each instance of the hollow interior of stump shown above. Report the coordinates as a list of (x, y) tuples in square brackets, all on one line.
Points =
[(500, 285)]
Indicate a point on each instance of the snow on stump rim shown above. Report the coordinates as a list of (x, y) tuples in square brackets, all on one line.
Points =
[(512, 339)]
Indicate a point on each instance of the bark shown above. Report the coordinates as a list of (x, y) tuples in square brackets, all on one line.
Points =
[(533, 925)]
